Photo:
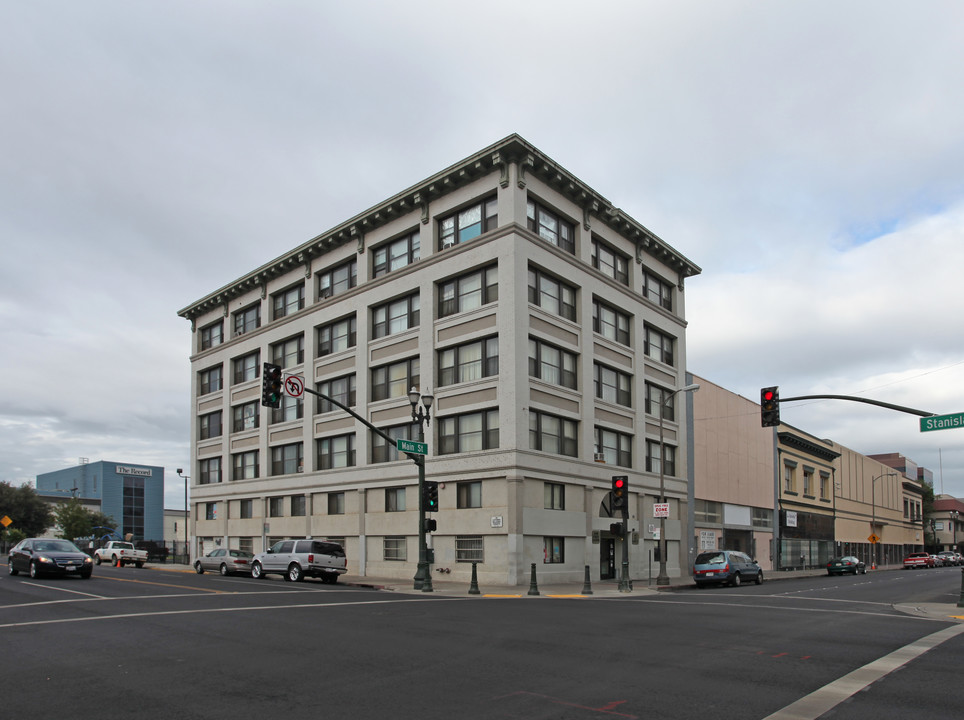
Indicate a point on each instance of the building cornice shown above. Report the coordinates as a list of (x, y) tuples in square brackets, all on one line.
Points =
[(802, 444), (513, 150)]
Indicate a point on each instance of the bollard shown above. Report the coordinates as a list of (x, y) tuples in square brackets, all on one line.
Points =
[(533, 588), (960, 602), (587, 586), (474, 585)]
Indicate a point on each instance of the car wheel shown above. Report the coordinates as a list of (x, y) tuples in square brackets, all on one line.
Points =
[(139, 564), (34, 570), (11, 569), (224, 569), (198, 569), (735, 582), (294, 573), (115, 561), (256, 571), (86, 575), (759, 578)]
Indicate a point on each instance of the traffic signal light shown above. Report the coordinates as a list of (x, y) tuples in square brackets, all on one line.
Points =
[(271, 385), (430, 496), (620, 495), (431, 525), (770, 406), (616, 528)]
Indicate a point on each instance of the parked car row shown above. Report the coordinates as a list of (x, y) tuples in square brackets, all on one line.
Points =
[(926, 560), (293, 559)]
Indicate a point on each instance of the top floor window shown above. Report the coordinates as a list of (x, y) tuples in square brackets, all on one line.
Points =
[(338, 279), (469, 291), (657, 290), (288, 301), (395, 316), (212, 335), (247, 320), (552, 295), (609, 262), (552, 228), (395, 254), (468, 223)]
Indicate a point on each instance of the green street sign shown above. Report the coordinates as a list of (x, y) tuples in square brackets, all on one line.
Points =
[(409, 446), (942, 422)]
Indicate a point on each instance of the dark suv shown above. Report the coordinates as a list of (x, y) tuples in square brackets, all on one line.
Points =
[(298, 559)]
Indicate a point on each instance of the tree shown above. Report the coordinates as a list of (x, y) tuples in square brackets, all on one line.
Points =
[(73, 519), (29, 512)]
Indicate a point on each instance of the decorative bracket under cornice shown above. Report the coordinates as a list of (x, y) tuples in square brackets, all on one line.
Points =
[(588, 210), (359, 236), (529, 162), (503, 166), (422, 202)]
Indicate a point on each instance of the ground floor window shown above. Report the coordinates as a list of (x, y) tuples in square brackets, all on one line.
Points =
[(394, 548), (469, 548), (554, 550)]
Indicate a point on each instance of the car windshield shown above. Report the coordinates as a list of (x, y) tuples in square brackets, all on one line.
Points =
[(56, 546), (711, 559)]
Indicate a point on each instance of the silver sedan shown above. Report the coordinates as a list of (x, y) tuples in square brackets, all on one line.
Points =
[(225, 561)]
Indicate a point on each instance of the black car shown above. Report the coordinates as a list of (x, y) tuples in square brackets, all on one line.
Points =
[(843, 565), (48, 556)]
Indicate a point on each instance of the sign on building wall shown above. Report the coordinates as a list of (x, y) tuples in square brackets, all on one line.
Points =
[(137, 472), (791, 518), (707, 540)]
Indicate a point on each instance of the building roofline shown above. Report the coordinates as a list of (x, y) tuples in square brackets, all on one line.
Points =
[(497, 157)]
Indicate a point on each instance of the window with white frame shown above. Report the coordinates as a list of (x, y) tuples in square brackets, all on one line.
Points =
[(395, 254), (551, 294), (336, 336), (610, 322), (337, 451), (247, 319), (658, 345), (468, 494), (469, 548), (553, 434), (469, 432), (340, 389), (394, 548), (212, 335), (395, 499), (246, 416), (395, 379), (616, 447), (657, 290), (210, 380), (468, 361), (551, 226), (609, 262), (247, 367), (552, 364), (468, 223), (287, 459), (288, 301), (245, 465), (395, 316), (612, 385), (656, 459), (468, 291), (555, 496), (337, 280)]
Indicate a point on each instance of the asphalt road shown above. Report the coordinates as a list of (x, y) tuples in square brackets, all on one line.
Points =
[(146, 644)]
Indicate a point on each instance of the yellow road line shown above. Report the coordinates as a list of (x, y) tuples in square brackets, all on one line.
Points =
[(148, 582)]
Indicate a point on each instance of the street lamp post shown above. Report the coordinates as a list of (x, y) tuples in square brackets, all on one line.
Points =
[(663, 578), (953, 517), (421, 414), (186, 478), (873, 525)]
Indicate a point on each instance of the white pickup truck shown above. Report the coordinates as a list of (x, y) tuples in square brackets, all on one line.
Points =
[(118, 552)]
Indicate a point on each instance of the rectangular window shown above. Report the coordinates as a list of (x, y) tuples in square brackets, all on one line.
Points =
[(469, 494), (247, 320), (762, 518), (657, 290), (246, 417), (707, 511), (788, 482), (245, 466), (470, 432), (394, 380), (209, 380), (212, 335), (658, 346), (468, 362), (824, 486), (395, 254), (654, 459), (610, 323), (289, 353), (209, 426), (211, 511), (656, 398), (336, 452), (341, 389), (287, 459), (276, 507), (337, 280), (616, 447), (288, 301), (385, 452), (808, 482), (134, 506), (554, 550), (299, 506), (468, 223), (555, 496), (552, 295), (553, 434), (395, 499), (210, 471), (609, 262), (612, 385), (395, 316), (469, 291), (552, 364), (290, 409), (337, 336), (247, 509), (247, 368), (336, 503), (469, 548), (394, 548), (551, 227)]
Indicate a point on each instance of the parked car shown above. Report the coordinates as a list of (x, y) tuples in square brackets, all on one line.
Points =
[(46, 556), (846, 564), (298, 559), (225, 561), (918, 560), (725, 567)]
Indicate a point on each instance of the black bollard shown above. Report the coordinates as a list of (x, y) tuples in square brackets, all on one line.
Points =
[(587, 586), (960, 602), (533, 588), (474, 585)]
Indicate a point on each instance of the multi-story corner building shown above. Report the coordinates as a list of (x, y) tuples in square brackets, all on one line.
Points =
[(946, 523), (548, 325)]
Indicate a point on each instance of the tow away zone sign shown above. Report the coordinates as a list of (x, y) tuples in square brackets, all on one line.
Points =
[(942, 422)]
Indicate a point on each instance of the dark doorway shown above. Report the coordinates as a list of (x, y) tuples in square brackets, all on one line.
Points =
[(607, 559)]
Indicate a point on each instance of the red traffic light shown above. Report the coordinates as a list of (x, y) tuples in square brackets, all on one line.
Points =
[(619, 483), (768, 395)]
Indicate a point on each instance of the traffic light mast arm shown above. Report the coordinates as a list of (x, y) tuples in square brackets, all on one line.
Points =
[(900, 408)]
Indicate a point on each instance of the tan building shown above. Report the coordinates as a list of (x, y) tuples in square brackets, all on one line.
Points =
[(946, 523), (549, 326)]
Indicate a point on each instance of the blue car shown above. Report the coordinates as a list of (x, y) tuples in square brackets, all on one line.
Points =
[(725, 567)]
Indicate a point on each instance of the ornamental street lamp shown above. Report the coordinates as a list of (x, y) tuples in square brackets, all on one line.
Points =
[(663, 578), (873, 526), (421, 414)]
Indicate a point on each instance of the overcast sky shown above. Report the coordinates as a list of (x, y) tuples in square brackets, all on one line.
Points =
[(807, 155)]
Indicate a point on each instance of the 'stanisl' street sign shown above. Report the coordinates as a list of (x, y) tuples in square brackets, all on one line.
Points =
[(409, 446), (942, 422)]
